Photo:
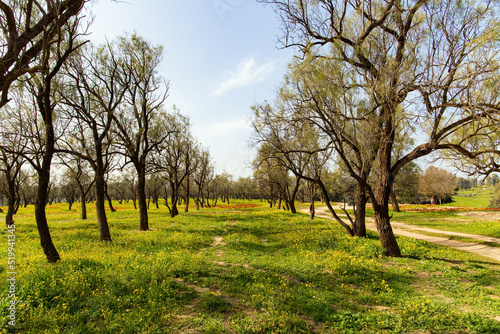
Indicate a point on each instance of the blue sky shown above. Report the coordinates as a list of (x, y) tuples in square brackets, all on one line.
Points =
[(221, 57)]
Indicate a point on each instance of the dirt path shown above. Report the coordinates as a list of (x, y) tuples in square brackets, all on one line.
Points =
[(411, 231)]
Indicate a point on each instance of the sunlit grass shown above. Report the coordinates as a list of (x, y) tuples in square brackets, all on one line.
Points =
[(269, 272), (475, 197)]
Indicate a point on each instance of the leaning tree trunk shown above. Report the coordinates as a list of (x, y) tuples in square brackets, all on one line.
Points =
[(110, 202), (332, 211)]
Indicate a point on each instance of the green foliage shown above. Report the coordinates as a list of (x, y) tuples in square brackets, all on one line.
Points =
[(495, 201), (271, 272)]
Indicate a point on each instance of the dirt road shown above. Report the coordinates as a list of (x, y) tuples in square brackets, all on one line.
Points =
[(411, 231)]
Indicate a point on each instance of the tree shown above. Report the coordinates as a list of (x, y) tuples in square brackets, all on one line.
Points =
[(69, 191), (43, 135), (95, 87), (406, 184), (437, 184), (270, 166), (77, 177), (295, 129), (202, 176), (139, 121), (29, 31), (495, 201), (12, 145), (421, 65), (177, 157)]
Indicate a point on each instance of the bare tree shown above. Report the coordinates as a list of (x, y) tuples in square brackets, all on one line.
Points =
[(176, 157), (202, 176), (43, 135), (77, 176), (12, 145), (96, 85), (29, 30), (140, 120)]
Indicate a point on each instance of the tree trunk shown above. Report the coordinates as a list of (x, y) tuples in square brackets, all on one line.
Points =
[(186, 209), (11, 203), (332, 211), (83, 205), (110, 202), (197, 201), (40, 215), (99, 206), (70, 205), (312, 192), (359, 226), (394, 201), (100, 190), (141, 194), (385, 232), (294, 195), (382, 193), (175, 211)]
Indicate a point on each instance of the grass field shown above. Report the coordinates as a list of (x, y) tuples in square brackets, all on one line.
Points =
[(241, 268), (473, 198)]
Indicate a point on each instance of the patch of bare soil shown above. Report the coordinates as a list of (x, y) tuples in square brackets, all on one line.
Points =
[(218, 241)]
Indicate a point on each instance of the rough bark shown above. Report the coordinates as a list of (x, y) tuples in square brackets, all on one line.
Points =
[(41, 218), (359, 226), (83, 205), (186, 209), (141, 197), (102, 220), (11, 203), (382, 193)]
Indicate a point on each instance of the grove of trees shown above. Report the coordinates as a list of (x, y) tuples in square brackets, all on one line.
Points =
[(376, 85), (375, 73)]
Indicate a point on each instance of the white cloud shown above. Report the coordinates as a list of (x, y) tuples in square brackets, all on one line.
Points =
[(248, 73), (225, 128)]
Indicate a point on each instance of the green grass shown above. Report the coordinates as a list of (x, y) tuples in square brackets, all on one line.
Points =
[(473, 198), (272, 272)]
